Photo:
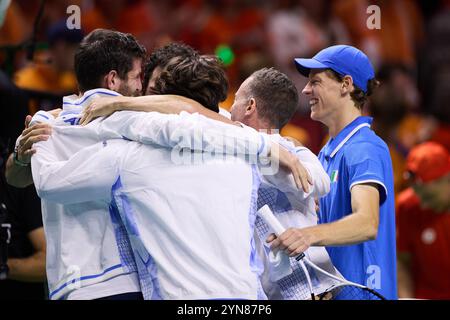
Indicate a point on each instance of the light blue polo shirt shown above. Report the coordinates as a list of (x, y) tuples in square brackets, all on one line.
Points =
[(356, 156)]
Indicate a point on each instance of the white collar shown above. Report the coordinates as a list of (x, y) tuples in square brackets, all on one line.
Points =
[(340, 145)]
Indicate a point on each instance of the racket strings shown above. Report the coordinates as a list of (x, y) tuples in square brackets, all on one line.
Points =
[(349, 292), (295, 285)]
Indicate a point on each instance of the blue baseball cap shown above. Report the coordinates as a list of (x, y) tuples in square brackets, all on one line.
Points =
[(59, 31), (345, 60)]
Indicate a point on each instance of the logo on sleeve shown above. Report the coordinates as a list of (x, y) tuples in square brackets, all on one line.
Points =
[(334, 176)]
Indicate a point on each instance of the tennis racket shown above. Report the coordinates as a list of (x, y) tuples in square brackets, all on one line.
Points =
[(342, 289)]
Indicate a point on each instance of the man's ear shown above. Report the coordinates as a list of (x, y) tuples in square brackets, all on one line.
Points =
[(347, 84), (112, 81), (251, 107)]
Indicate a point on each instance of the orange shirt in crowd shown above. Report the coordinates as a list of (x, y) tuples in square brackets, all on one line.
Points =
[(42, 77)]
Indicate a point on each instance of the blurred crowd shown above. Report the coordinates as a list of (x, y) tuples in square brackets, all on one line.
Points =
[(411, 53)]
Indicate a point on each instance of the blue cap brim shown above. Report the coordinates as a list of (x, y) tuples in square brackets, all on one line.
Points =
[(304, 66)]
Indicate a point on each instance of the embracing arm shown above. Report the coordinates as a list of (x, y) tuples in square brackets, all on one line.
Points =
[(193, 131), (87, 175), (173, 131), (319, 178), (37, 128), (18, 173), (285, 180), (168, 104), (197, 132)]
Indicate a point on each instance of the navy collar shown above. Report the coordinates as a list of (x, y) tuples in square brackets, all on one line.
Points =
[(336, 143)]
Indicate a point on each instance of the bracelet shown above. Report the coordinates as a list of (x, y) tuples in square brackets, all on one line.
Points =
[(16, 158)]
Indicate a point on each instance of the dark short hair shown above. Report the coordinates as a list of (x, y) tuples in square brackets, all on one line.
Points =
[(102, 51), (275, 94), (200, 78), (161, 56), (359, 97)]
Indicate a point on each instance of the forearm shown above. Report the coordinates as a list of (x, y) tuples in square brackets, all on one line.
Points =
[(353, 229), (87, 175), (192, 131), (157, 103), (168, 104), (321, 180), (31, 269), (16, 175)]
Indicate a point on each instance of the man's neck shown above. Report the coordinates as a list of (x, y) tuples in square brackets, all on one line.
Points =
[(261, 125), (342, 119)]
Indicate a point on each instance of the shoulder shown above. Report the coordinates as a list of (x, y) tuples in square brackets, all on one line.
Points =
[(366, 145), (286, 143), (367, 137)]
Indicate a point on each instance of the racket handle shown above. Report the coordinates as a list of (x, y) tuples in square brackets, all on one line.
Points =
[(270, 219), (300, 256), (267, 215)]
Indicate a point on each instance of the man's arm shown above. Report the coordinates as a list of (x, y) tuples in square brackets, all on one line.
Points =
[(311, 167), (359, 226), (18, 173), (193, 131), (168, 104), (320, 179), (173, 104), (87, 175), (197, 132), (30, 269)]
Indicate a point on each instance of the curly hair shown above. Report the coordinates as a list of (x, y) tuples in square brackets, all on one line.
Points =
[(162, 56), (200, 78), (102, 51)]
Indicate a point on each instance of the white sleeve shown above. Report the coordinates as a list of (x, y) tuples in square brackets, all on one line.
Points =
[(184, 130), (87, 175), (42, 117), (321, 180), (39, 117), (284, 181)]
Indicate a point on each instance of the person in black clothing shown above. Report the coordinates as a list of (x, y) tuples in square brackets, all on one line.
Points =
[(26, 249), (22, 210)]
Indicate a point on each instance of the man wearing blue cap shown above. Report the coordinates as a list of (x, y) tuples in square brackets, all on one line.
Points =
[(357, 217)]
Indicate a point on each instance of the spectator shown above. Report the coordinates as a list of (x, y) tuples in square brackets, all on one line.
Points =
[(56, 75), (399, 35), (390, 107), (423, 225), (27, 248)]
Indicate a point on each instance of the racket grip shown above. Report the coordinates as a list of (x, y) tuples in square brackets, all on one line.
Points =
[(300, 256), (266, 214)]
